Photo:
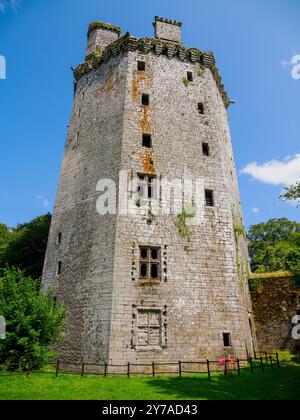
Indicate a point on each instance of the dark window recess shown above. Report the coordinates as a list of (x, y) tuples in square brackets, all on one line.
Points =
[(190, 76), (150, 263), (59, 268), (209, 198), (147, 141), (146, 186), (141, 66), (201, 108), (298, 312), (145, 99), (205, 149), (58, 238), (227, 340)]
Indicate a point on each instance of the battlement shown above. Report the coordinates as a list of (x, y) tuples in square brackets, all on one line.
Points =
[(100, 35), (167, 29), (101, 52)]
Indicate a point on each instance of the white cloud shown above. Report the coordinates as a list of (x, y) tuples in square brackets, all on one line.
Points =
[(255, 210), (45, 203), (13, 4), (274, 172)]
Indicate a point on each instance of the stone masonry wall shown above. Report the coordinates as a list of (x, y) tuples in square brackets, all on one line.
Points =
[(204, 295), (92, 152), (203, 291), (276, 301)]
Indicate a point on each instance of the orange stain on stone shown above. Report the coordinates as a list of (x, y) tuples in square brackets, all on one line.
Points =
[(148, 162), (145, 125)]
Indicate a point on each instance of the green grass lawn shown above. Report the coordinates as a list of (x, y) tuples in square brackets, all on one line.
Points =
[(279, 384)]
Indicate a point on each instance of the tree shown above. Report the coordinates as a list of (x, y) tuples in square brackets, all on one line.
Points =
[(34, 321), (4, 238), (292, 193), (26, 246), (274, 246)]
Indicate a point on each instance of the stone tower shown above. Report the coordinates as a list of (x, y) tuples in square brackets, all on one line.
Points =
[(149, 280)]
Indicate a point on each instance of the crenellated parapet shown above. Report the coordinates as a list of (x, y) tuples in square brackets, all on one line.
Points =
[(157, 46)]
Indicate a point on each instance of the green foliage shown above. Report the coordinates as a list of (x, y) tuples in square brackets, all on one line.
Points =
[(293, 261), (181, 222), (33, 320), (25, 246), (274, 246), (277, 384), (200, 72), (239, 230), (292, 193), (4, 239), (150, 218), (185, 82)]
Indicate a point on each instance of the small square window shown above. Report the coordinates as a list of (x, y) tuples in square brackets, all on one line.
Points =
[(147, 141), (145, 99), (201, 108), (190, 76), (59, 264), (227, 339), (141, 65), (209, 198), (205, 149)]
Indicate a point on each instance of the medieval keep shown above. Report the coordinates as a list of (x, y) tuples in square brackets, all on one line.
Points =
[(147, 285)]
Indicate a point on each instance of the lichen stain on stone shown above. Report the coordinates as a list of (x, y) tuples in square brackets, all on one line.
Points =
[(109, 83), (145, 125), (135, 89), (148, 162), (144, 78)]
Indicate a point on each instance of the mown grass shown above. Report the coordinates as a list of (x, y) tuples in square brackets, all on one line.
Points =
[(277, 384)]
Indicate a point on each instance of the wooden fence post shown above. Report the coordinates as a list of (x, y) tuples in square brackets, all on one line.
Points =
[(238, 366), (128, 370), (153, 369), (251, 364), (105, 369), (208, 370), (277, 360), (180, 369), (271, 361), (57, 369), (225, 367), (82, 369), (261, 363)]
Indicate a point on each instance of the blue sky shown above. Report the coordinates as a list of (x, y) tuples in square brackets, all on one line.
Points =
[(254, 43)]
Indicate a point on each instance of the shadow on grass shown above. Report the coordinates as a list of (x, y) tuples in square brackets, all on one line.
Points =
[(279, 384)]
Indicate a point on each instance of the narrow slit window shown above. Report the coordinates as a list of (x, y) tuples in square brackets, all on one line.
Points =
[(141, 66), (59, 265), (205, 149), (190, 76), (145, 99), (209, 198), (201, 108), (147, 186), (59, 238), (147, 141), (227, 339)]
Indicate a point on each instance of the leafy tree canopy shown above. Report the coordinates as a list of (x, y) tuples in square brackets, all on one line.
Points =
[(33, 321), (274, 246), (25, 246), (292, 193)]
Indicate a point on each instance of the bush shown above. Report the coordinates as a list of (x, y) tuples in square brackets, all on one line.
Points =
[(33, 322)]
